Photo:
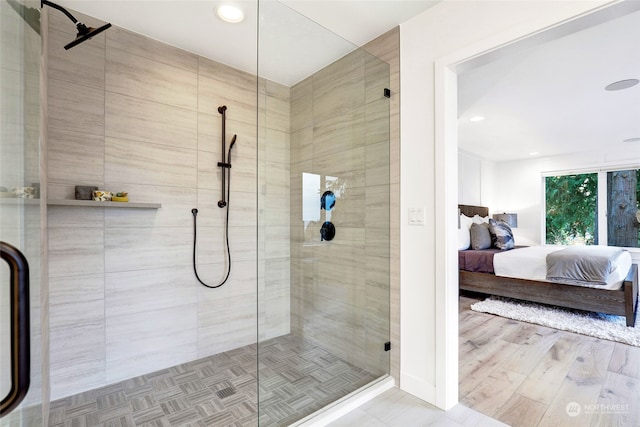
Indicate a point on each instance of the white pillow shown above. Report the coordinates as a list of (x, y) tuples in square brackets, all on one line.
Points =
[(464, 235), (480, 219)]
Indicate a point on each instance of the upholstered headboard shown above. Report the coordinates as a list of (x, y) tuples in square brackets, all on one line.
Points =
[(470, 210)]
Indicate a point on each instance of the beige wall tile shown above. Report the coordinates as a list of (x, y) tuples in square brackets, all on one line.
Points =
[(67, 219), (152, 164), (146, 121), (133, 75), (240, 100), (130, 292), (226, 323), (75, 158), (83, 66), (277, 114), (212, 244), (141, 248), (137, 44), (135, 340), (75, 251), (77, 333), (76, 108)]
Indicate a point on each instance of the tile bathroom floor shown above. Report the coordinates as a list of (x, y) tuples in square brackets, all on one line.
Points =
[(296, 379)]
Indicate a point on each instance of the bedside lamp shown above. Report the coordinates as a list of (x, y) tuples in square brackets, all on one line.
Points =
[(510, 218)]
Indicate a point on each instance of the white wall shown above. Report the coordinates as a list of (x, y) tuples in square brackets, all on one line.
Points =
[(456, 30), (476, 180)]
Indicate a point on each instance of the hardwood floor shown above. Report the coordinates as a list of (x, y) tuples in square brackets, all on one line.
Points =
[(530, 375)]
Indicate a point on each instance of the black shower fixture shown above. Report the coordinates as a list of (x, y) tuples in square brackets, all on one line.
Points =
[(225, 164), (84, 32)]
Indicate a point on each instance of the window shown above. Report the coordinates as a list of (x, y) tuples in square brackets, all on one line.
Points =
[(593, 207), (622, 206), (572, 209)]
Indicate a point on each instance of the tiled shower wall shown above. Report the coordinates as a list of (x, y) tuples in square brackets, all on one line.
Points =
[(127, 113), (340, 290)]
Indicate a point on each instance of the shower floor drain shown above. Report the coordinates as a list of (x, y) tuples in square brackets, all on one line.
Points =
[(226, 392)]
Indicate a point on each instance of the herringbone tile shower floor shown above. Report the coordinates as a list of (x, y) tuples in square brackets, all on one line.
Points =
[(296, 379)]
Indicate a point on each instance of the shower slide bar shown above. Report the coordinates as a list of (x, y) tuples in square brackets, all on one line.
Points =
[(225, 164), (226, 160)]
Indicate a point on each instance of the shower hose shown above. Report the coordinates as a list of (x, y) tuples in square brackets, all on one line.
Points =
[(226, 227)]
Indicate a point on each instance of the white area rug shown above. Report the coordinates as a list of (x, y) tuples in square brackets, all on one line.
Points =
[(597, 325)]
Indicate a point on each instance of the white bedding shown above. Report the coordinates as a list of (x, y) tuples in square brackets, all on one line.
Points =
[(531, 263)]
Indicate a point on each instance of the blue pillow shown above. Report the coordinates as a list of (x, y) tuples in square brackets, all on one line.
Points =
[(501, 235)]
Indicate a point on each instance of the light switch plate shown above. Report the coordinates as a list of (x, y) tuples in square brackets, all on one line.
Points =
[(416, 216)]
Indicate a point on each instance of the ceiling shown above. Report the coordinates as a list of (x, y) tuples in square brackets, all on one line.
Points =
[(294, 37), (550, 99), (539, 97)]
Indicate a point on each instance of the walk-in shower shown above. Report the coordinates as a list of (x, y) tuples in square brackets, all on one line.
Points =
[(130, 337)]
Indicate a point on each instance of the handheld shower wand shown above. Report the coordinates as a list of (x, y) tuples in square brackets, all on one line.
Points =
[(225, 164)]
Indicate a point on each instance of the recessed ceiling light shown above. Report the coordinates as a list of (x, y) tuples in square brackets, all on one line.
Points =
[(622, 84), (637, 139), (230, 13), (476, 119), (534, 153)]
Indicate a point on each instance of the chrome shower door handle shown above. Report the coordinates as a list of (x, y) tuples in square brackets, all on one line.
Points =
[(20, 328)]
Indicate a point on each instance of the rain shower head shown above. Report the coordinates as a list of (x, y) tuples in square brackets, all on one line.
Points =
[(84, 32)]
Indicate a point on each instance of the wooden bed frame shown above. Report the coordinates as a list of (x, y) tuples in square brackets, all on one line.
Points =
[(620, 302)]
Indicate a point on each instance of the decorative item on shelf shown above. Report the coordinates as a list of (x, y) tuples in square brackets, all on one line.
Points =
[(102, 196), (85, 192), (36, 189), (120, 197), (24, 192), (510, 218)]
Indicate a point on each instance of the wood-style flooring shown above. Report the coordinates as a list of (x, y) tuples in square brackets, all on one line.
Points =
[(529, 375)]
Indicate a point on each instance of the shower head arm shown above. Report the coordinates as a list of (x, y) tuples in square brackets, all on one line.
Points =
[(84, 32), (60, 8)]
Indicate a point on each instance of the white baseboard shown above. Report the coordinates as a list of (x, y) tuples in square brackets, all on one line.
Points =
[(418, 388)]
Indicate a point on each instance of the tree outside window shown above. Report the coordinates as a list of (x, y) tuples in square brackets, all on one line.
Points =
[(572, 208)]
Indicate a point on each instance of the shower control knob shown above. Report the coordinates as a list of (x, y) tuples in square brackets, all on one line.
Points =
[(222, 203)]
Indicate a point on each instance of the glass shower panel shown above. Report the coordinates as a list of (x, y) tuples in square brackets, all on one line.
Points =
[(20, 206), (323, 222)]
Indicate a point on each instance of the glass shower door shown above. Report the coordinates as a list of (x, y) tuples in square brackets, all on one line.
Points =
[(20, 47), (323, 222)]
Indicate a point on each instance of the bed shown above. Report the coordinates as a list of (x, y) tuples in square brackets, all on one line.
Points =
[(620, 301)]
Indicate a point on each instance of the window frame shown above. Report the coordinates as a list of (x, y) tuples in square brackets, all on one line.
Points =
[(602, 199)]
